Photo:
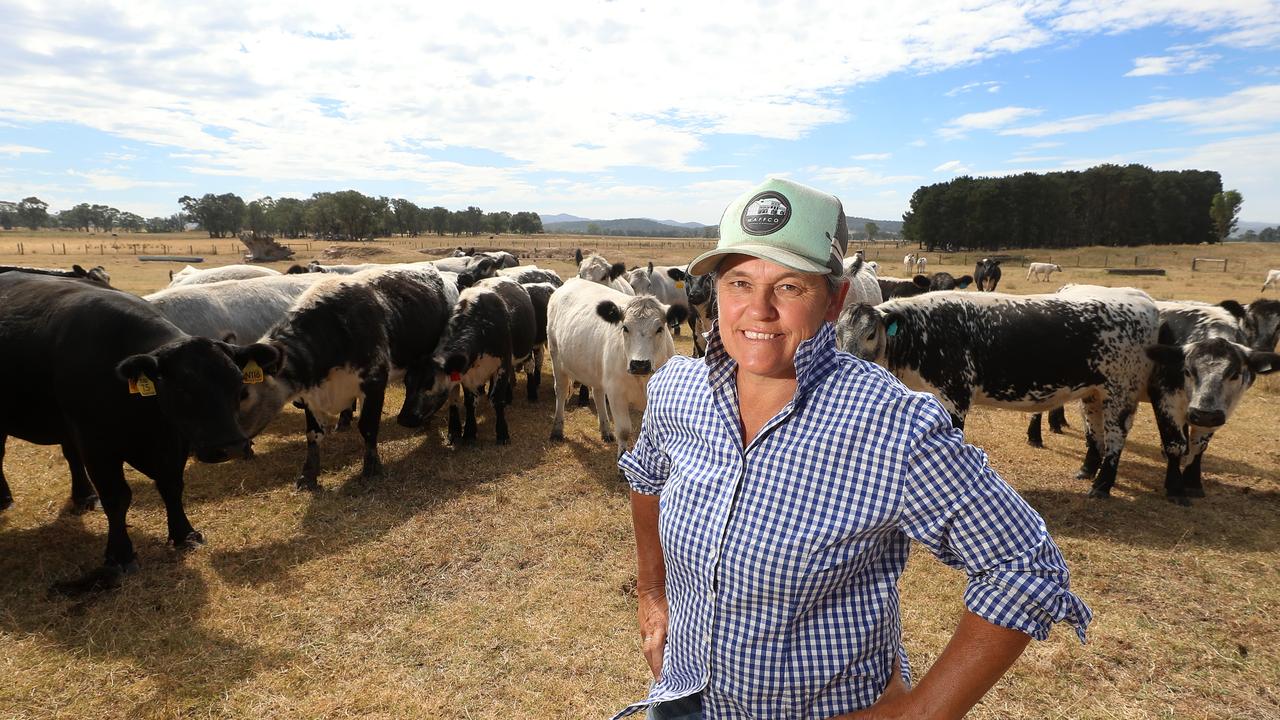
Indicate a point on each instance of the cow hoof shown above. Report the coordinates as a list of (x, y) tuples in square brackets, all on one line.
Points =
[(192, 541), (608, 437), (1195, 492), (1083, 474), (557, 435), (308, 484), (80, 506), (506, 440), (1179, 500), (1099, 494), (371, 470), (1036, 444)]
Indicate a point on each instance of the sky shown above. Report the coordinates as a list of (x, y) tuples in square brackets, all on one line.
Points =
[(625, 109)]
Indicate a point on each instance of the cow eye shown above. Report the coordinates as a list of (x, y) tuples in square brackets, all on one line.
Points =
[(625, 329)]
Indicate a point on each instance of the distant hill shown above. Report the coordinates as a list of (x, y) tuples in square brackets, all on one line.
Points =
[(561, 218), (1245, 226), (640, 227), (690, 225), (886, 226)]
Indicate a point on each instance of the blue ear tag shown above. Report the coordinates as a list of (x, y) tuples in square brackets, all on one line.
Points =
[(892, 330)]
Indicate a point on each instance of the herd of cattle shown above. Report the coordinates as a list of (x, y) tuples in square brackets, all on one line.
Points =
[(204, 365)]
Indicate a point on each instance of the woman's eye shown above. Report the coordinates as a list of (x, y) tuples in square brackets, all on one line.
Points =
[(789, 290)]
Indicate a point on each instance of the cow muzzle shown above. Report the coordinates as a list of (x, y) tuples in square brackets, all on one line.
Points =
[(640, 367), (1206, 418), (221, 452)]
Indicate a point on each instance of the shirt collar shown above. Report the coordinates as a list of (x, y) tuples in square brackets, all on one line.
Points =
[(814, 359)]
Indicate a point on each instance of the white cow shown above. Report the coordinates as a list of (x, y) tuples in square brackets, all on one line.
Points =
[(1273, 279), (1042, 271), (922, 265), (246, 309), (194, 276), (665, 282), (909, 263), (595, 268), (864, 287), (611, 342)]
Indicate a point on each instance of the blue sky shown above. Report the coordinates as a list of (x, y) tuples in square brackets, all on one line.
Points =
[(623, 109)]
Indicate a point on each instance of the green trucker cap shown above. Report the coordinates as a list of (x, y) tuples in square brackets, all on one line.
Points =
[(783, 222)]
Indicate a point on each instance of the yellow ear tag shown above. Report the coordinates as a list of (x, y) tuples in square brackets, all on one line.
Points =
[(133, 386), (252, 373), (679, 284), (146, 388)]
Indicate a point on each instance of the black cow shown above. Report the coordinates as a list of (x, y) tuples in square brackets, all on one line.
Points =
[(540, 295), (1021, 353), (97, 274), (986, 275), (347, 336), (701, 291), (78, 350), (892, 287), (492, 331)]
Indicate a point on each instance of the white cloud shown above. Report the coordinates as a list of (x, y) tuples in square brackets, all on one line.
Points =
[(15, 150), (1247, 163), (1184, 61), (990, 86), (986, 120), (918, 142), (99, 180), (954, 167), (855, 176), (872, 157), (1249, 108)]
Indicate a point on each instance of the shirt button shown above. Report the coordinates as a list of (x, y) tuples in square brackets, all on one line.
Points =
[(706, 639), (711, 598)]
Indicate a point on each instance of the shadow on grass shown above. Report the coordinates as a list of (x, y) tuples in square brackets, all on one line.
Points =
[(354, 510), (150, 622)]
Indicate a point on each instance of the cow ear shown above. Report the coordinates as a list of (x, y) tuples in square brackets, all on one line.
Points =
[(610, 311), (650, 267), (1166, 354), (268, 356), (79, 271), (893, 323), (1233, 307), (1263, 363), (465, 280), (229, 337), (921, 281), (964, 281), (577, 255), (135, 366), (677, 274), (616, 270), (676, 314)]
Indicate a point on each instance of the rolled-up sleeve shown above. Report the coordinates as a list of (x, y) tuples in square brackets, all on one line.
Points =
[(967, 516)]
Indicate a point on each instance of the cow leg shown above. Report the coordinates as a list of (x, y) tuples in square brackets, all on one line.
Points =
[(83, 498), (345, 417), (309, 479), (1092, 437), (107, 475), (469, 427), (1196, 447), (620, 412), (1034, 439), (563, 385), (1058, 419), (1173, 445), (1118, 419), (602, 414), (6, 496), (374, 389), (500, 397), (167, 474), (534, 376)]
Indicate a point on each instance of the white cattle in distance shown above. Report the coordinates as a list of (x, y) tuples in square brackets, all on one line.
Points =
[(1042, 271), (194, 276), (1273, 280)]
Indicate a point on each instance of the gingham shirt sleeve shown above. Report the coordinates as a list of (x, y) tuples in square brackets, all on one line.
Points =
[(646, 464), (966, 515)]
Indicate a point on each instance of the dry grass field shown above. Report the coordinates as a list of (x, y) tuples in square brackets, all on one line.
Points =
[(490, 581)]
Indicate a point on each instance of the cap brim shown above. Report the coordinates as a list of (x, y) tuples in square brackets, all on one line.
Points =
[(707, 262)]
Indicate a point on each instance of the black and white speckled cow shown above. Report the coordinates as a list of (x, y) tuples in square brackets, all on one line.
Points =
[(1019, 352)]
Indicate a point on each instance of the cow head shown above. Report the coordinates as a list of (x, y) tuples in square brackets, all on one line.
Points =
[(429, 381), (261, 402), (199, 384), (946, 281), (1262, 324), (864, 331), (699, 289), (645, 326), (1215, 374), (596, 269), (641, 281)]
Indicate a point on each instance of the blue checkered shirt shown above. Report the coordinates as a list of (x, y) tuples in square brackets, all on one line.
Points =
[(783, 557)]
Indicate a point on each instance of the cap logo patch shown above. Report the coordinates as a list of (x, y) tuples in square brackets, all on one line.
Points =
[(766, 213)]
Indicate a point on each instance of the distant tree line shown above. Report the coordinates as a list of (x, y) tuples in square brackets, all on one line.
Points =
[(1271, 234), (347, 215), (1108, 205)]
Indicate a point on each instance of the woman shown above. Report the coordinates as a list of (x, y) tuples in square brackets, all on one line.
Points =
[(776, 485)]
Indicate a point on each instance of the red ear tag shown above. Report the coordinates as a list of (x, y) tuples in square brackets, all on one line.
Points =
[(455, 377)]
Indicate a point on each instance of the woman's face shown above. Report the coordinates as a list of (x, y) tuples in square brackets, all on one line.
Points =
[(767, 310)]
